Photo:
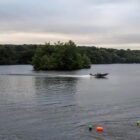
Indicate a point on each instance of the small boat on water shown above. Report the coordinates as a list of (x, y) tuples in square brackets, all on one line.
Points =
[(99, 75)]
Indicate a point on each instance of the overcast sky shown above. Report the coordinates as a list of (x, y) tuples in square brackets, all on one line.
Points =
[(104, 23)]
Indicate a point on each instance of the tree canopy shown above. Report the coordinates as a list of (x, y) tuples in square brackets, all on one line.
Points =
[(64, 56), (16, 54), (60, 56)]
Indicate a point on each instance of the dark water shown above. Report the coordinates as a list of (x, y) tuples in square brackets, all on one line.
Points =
[(60, 105)]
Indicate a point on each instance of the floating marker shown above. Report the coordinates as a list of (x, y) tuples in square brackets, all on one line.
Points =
[(90, 127), (138, 123), (99, 129)]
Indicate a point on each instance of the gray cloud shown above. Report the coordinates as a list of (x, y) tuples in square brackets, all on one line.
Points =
[(99, 22)]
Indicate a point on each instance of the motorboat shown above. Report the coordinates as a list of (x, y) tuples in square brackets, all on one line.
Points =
[(99, 75)]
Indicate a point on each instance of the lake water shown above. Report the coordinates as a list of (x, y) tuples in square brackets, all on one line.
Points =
[(60, 105)]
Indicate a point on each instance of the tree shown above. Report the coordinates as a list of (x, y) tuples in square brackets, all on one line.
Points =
[(59, 56)]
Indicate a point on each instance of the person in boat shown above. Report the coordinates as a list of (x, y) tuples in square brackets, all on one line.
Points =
[(91, 74), (99, 75)]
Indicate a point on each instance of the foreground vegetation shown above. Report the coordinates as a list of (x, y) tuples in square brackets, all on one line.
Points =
[(64, 56)]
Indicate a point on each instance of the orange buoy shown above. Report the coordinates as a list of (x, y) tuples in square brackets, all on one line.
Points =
[(99, 129)]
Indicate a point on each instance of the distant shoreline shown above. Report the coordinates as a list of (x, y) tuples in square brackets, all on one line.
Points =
[(23, 54)]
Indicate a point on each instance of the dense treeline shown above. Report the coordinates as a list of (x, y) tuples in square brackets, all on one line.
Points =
[(16, 54), (60, 56), (23, 54), (108, 56)]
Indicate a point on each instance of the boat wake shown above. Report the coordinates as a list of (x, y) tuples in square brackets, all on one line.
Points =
[(76, 76), (48, 75)]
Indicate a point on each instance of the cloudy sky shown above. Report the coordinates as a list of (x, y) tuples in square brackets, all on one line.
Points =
[(104, 23)]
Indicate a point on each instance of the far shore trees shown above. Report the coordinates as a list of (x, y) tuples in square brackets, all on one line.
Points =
[(64, 56)]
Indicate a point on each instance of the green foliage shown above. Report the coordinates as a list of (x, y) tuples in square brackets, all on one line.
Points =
[(16, 54), (107, 56), (64, 56), (60, 56)]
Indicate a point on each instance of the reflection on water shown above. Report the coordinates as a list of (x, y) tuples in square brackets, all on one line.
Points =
[(56, 90), (16, 89), (59, 105)]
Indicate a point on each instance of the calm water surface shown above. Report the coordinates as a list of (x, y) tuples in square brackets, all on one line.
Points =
[(59, 105)]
